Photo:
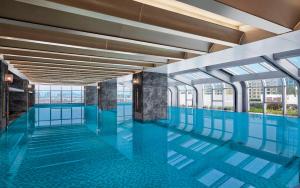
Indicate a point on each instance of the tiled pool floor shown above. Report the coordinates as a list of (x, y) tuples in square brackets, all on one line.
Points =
[(77, 146)]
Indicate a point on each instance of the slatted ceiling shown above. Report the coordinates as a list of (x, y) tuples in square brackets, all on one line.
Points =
[(67, 71), (67, 74), (45, 41), (68, 39), (54, 48), (68, 63), (62, 66), (17, 52)]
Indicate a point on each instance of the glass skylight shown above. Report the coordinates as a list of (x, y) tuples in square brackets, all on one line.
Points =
[(195, 75), (295, 61), (250, 69), (256, 68), (236, 71)]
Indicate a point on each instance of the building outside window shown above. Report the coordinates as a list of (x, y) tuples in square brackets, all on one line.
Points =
[(185, 96), (124, 92), (273, 96), (218, 96), (58, 94)]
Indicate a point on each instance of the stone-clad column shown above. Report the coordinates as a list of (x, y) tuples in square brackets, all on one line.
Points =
[(91, 95), (3, 95), (18, 101), (108, 95), (31, 95), (150, 96)]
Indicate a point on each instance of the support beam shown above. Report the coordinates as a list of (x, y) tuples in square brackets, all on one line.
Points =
[(18, 52), (287, 42), (73, 38), (77, 50), (226, 11), (258, 76), (65, 67), (110, 30), (150, 18), (205, 81), (235, 63), (268, 10), (19, 60), (287, 54), (284, 66)]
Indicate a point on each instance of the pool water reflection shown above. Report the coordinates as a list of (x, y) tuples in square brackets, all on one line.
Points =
[(78, 146)]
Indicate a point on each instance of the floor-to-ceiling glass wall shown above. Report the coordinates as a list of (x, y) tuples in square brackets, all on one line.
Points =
[(57, 94), (273, 96), (124, 99), (185, 97), (291, 97), (255, 96), (218, 96)]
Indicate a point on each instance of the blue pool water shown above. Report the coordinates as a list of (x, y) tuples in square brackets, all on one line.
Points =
[(77, 146)]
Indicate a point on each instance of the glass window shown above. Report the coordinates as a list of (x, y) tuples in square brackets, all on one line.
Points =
[(46, 94), (124, 92), (207, 95), (195, 75), (182, 97), (189, 98), (44, 87), (66, 96), (255, 96), (43, 97), (256, 68), (295, 61), (236, 70), (55, 96), (169, 98), (291, 97), (228, 99)]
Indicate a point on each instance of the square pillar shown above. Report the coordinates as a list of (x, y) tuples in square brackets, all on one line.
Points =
[(18, 101), (31, 95), (91, 95), (108, 95), (3, 96), (150, 96)]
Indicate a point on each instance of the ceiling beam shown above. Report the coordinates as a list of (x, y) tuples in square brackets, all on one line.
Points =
[(257, 76), (46, 68), (67, 71), (33, 64), (287, 54), (70, 78), (77, 50), (238, 15), (79, 39), (62, 62), (142, 16), (235, 63), (283, 13), (287, 42), (41, 72), (68, 56)]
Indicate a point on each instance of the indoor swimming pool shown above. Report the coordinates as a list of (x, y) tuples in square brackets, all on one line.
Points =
[(81, 146)]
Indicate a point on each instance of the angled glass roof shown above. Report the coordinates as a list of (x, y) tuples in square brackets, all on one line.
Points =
[(295, 61), (195, 75), (236, 71), (250, 69)]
